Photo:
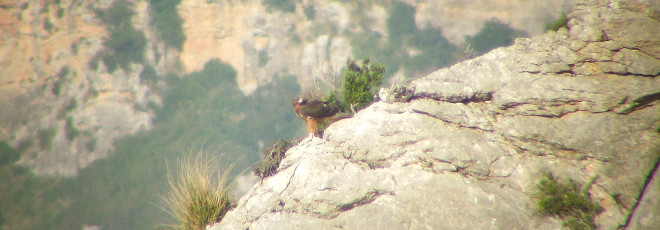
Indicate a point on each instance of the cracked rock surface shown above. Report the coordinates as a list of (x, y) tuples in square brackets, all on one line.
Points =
[(464, 147)]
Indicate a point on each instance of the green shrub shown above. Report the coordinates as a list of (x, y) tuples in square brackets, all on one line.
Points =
[(283, 5), (562, 21), (71, 131), (169, 24), (48, 25), (60, 12), (263, 58), (492, 35), (401, 22), (148, 75), (117, 15), (435, 52), (91, 145), (310, 12), (360, 84), (70, 106), (199, 194), (61, 77), (46, 138), (272, 156), (125, 45), (188, 91), (8, 154), (566, 201)]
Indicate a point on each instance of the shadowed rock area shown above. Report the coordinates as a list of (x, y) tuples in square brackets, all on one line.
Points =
[(464, 147)]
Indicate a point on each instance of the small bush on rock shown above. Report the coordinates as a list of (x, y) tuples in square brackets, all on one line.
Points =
[(361, 83), (558, 24), (566, 201), (273, 155)]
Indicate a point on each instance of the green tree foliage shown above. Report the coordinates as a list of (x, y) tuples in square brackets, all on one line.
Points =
[(205, 108), (194, 86), (283, 5), (417, 51), (8, 154), (401, 22), (372, 45), (61, 77), (165, 17), (148, 75), (434, 52), (71, 131), (125, 45), (360, 83), (492, 35), (28, 201), (46, 138)]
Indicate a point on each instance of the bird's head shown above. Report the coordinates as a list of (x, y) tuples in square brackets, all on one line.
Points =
[(298, 101)]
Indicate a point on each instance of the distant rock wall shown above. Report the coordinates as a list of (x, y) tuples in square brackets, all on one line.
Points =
[(48, 89), (49, 93), (464, 147), (260, 42)]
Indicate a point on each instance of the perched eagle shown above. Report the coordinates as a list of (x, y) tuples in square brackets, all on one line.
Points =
[(314, 112)]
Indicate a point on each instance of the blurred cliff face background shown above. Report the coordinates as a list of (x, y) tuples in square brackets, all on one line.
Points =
[(96, 97)]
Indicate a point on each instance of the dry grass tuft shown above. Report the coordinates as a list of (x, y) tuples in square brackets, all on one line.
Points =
[(200, 194)]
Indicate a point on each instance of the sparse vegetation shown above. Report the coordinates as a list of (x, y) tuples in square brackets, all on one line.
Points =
[(272, 156), (468, 51), (199, 193), (568, 202)]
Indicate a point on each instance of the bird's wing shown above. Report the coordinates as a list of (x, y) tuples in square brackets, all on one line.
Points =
[(317, 109)]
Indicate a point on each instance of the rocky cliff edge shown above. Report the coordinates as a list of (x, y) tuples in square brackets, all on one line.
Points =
[(464, 147)]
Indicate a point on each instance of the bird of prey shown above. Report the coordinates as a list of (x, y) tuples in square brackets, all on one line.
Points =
[(314, 112)]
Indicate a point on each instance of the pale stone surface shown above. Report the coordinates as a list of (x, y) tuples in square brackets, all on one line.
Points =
[(464, 147)]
